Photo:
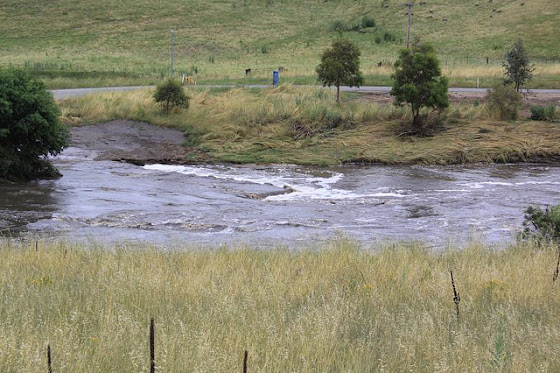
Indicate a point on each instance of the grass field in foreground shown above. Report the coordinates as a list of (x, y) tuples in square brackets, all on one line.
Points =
[(303, 125), (332, 307)]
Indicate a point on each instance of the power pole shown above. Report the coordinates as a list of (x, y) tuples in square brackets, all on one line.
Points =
[(409, 5), (171, 55)]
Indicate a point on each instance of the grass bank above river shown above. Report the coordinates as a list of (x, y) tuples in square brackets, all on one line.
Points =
[(333, 307), (303, 125)]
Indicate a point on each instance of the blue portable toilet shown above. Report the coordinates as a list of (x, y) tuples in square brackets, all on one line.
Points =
[(275, 77)]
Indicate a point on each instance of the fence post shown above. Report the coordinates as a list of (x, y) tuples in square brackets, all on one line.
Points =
[(49, 359), (456, 297), (152, 347)]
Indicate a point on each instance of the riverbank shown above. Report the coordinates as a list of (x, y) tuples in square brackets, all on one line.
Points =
[(303, 125), (339, 306)]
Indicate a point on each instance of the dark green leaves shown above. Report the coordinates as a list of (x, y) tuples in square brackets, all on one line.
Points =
[(171, 94), (340, 65), (418, 82), (29, 127)]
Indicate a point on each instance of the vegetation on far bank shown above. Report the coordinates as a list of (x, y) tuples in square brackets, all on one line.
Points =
[(304, 125), (30, 128), (333, 306), (79, 42)]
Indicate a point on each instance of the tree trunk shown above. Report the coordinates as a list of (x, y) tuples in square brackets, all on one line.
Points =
[(338, 93)]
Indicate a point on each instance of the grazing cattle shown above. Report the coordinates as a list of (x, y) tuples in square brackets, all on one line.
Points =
[(247, 72), (188, 80)]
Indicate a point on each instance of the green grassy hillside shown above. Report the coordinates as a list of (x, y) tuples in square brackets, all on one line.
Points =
[(220, 39)]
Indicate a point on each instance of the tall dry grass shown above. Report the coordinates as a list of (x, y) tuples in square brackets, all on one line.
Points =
[(332, 307), (304, 125)]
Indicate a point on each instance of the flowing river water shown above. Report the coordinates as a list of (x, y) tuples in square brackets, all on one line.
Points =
[(291, 205)]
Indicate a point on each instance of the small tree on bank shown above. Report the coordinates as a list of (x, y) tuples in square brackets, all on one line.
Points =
[(418, 82), (340, 65), (504, 101), (171, 94), (518, 68), (30, 128)]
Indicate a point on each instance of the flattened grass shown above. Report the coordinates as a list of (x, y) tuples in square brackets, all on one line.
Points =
[(335, 306), (303, 125)]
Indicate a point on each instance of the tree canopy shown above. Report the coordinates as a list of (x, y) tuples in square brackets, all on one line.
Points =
[(30, 129), (518, 68), (340, 65), (170, 94), (418, 82)]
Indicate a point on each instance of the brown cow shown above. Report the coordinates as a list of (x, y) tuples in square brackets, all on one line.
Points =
[(188, 80)]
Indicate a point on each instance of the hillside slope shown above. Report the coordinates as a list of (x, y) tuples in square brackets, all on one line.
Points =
[(221, 38)]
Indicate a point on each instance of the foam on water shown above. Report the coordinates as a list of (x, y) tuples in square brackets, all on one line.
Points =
[(483, 184), (304, 186)]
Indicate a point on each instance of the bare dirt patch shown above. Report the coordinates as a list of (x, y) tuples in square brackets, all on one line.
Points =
[(134, 142)]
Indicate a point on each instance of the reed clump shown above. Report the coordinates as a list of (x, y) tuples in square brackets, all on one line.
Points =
[(332, 306)]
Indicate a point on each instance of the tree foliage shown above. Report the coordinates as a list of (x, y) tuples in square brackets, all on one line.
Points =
[(504, 102), (518, 68), (418, 82), (542, 224), (340, 65), (30, 129), (171, 94)]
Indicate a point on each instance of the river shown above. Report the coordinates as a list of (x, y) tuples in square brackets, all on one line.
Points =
[(269, 205)]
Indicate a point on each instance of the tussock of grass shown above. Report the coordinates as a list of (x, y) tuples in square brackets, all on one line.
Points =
[(337, 307), (303, 125)]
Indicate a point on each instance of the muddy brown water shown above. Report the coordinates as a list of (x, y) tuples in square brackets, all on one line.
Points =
[(289, 205)]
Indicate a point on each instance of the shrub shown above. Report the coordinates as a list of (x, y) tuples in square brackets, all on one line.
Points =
[(171, 94), (504, 102), (418, 82), (542, 224), (377, 40), (30, 129), (367, 22), (543, 112)]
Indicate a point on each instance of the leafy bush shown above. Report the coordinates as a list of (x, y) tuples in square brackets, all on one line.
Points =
[(30, 129), (418, 82), (171, 94), (504, 102), (543, 112), (542, 224), (367, 22)]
